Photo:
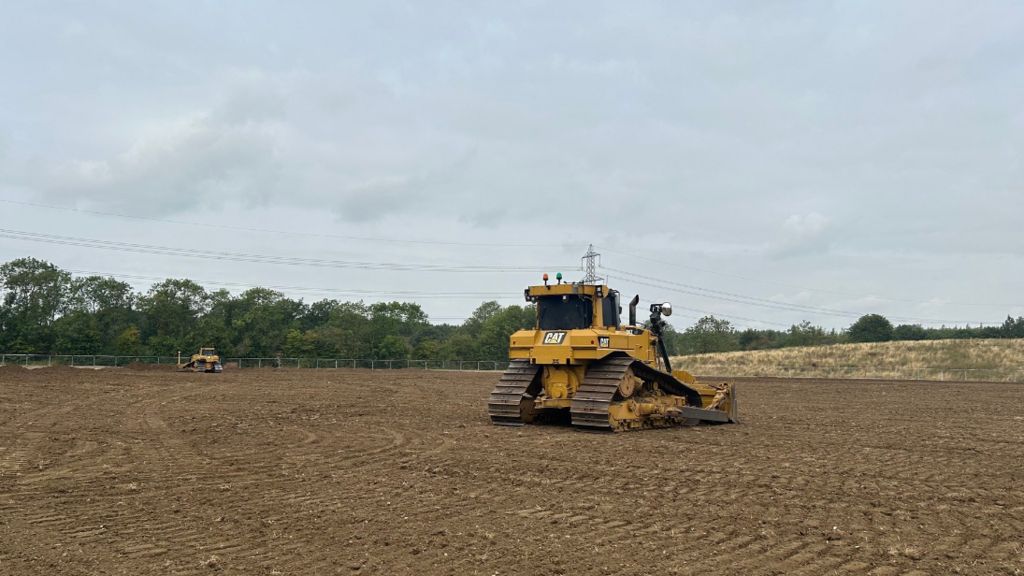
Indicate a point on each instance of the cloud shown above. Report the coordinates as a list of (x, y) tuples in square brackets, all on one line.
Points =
[(870, 146), (802, 234), (379, 197), (175, 166), (806, 225), (206, 158)]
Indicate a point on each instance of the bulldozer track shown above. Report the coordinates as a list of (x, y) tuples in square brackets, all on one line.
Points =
[(590, 405), (589, 408), (504, 403)]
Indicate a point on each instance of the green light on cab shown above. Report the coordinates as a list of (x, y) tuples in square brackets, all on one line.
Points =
[(558, 276)]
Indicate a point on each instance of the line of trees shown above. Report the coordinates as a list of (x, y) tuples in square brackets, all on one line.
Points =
[(43, 309), (712, 334)]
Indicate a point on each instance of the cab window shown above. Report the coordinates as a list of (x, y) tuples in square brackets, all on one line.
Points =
[(610, 308), (568, 312)]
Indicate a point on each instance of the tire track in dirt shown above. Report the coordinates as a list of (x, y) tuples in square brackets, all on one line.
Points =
[(358, 472), (367, 451)]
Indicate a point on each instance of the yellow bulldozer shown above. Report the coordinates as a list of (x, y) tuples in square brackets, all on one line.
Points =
[(581, 365), (206, 360)]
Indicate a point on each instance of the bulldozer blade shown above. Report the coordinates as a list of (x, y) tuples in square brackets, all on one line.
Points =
[(693, 413)]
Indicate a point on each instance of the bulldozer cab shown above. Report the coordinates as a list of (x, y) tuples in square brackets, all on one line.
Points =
[(207, 352), (575, 306)]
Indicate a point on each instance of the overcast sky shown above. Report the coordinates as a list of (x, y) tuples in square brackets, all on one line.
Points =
[(769, 162)]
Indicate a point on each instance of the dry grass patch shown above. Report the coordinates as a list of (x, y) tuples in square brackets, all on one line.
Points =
[(992, 360)]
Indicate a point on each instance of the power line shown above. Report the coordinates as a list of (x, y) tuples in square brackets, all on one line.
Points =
[(729, 316), (733, 297), (361, 293), (664, 263), (729, 297), (732, 317), (221, 226), (257, 258)]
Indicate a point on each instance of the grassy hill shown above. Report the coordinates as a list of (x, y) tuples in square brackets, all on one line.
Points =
[(998, 360)]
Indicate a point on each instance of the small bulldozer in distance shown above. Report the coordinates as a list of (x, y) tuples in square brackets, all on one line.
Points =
[(206, 360), (581, 365)]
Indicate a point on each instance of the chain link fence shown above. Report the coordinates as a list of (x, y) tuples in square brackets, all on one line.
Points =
[(796, 371), (101, 360)]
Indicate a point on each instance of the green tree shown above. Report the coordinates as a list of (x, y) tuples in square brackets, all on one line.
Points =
[(484, 312), (261, 320), (392, 347), (348, 330), (460, 346), (298, 344), (171, 311), (1013, 328), (109, 302), (427, 349), (805, 334), (6, 326), (909, 332), (753, 339), (493, 336), (129, 342), (77, 332), (871, 328), (34, 295), (391, 320), (317, 314), (709, 334), (216, 327)]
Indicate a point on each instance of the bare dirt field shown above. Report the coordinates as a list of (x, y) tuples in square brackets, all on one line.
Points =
[(262, 472)]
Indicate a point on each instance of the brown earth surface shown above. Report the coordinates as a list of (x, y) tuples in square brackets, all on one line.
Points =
[(356, 472)]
